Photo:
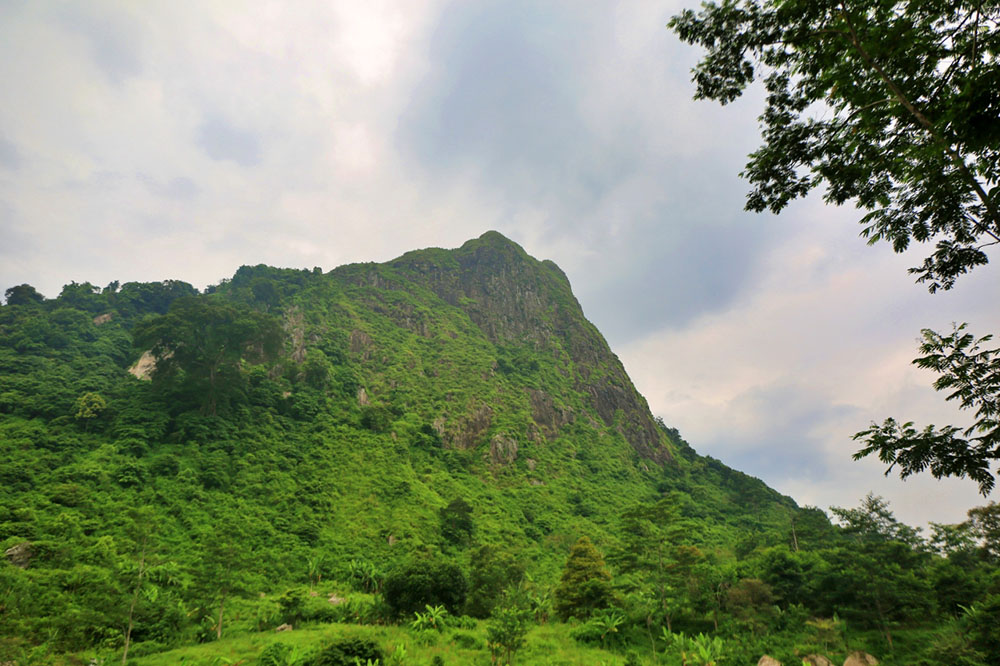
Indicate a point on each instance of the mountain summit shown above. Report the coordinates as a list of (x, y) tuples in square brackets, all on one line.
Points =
[(516, 300)]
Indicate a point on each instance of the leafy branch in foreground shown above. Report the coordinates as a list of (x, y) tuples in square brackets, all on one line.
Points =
[(892, 104), (972, 375)]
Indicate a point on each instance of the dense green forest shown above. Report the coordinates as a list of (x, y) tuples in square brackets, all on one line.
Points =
[(432, 460)]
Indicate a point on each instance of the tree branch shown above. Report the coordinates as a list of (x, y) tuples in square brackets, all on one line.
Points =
[(925, 122)]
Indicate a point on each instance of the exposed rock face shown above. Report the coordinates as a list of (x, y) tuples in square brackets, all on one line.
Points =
[(503, 450), (295, 329), (860, 658), (546, 415), (102, 319), (363, 400), (19, 555), (469, 431), (768, 661), (517, 300), (361, 344), (144, 367)]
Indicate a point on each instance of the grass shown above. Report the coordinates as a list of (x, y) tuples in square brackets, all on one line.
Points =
[(548, 645)]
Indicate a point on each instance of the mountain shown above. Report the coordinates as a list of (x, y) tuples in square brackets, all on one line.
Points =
[(288, 424)]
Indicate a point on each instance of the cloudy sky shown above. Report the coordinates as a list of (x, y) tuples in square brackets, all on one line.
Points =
[(154, 140)]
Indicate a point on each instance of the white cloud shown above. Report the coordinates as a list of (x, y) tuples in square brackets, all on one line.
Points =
[(818, 347)]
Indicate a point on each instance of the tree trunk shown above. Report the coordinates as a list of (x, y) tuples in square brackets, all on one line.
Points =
[(135, 599), (218, 627)]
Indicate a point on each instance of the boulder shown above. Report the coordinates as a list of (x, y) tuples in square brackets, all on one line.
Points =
[(283, 627), (768, 661), (859, 658), (19, 554), (816, 660)]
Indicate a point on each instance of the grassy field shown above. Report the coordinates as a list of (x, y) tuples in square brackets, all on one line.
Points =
[(549, 644)]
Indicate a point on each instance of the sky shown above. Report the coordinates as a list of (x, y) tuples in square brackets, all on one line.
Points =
[(164, 140)]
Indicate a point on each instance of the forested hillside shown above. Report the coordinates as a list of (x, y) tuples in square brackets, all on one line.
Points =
[(305, 448)]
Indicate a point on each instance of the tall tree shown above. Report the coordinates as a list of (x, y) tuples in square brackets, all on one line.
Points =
[(585, 585), (23, 294), (891, 104), (882, 579), (224, 566), (654, 556), (202, 341)]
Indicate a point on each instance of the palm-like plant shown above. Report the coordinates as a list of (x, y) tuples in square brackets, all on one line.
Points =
[(434, 618), (700, 650), (607, 623)]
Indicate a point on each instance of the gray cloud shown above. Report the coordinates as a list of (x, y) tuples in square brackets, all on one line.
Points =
[(223, 141), (568, 126), (111, 38), (10, 156), (694, 253), (502, 98), (787, 441), (517, 99), (180, 188)]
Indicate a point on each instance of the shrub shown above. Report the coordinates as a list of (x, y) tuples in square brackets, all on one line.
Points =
[(275, 654), (345, 651), (466, 641), (414, 586)]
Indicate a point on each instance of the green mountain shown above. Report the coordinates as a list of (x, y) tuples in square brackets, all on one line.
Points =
[(288, 427)]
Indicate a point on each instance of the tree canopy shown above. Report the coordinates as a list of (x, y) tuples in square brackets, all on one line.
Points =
[(892, 104), (206, 339)]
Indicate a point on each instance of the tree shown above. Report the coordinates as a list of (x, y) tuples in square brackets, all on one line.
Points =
[(89, 407), (873, 522), (886, 551), (457, 524), (972, 375), (224, 566), (652, 552), (507, 628), (491, 572), (418, 584), (205, 341), (984, 521), (23, 294), (751, 602), (890, 103), (895, 105), (585, 585)]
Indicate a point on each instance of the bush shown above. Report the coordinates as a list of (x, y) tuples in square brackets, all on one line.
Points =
[(275, 654), (466, 641), (359, 611), (345, 651), (416, 585)]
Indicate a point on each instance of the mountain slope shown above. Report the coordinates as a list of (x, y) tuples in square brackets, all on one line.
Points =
[(444, 376)]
